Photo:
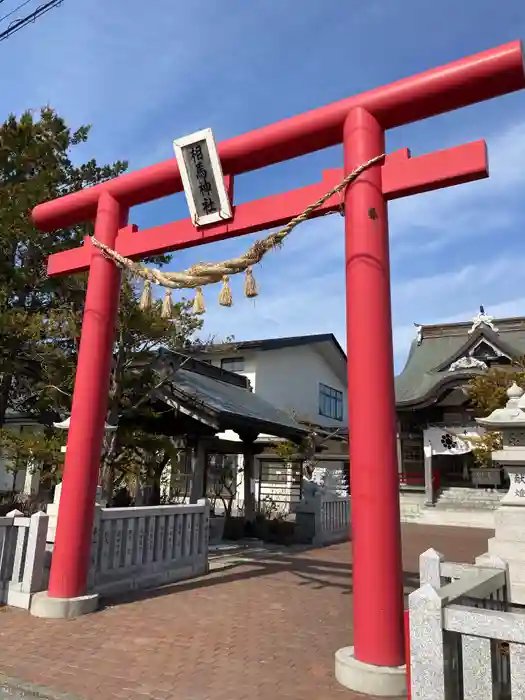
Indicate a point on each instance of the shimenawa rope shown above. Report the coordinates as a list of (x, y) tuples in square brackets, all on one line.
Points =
[(205, 273)]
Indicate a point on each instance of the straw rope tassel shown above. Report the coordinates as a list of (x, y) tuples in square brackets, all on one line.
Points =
[(146, 299), (167, 305), (250, 285), (225, 296), (199, 306)]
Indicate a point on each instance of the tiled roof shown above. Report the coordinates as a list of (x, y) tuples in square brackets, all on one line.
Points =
[(430, 355), (270, 344), (233, 407)]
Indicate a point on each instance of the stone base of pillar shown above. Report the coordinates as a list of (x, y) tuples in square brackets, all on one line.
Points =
[(379, 681), (42, 605), (508, 544)]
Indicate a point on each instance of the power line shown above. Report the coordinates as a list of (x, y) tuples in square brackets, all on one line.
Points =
[(19, 7), (18, 24)]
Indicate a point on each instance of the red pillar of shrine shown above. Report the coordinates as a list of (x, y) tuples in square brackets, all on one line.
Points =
[(377, 567), (71, 554)]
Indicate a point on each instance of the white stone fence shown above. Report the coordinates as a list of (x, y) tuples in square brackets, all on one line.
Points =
[(22, 557), (143, 547), (466, 641), (322, 518)]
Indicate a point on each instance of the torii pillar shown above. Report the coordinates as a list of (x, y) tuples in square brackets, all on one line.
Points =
[(374, 665)]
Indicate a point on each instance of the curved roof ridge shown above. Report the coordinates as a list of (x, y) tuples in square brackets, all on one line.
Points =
[(423, 374)]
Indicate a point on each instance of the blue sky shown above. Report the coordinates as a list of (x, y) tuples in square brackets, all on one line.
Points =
[(144, 73)]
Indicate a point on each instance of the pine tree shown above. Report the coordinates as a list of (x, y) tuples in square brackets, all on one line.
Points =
[(40, 317)]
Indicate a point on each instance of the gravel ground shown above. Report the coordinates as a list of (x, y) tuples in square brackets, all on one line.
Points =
[(11, 689), (10, 692)]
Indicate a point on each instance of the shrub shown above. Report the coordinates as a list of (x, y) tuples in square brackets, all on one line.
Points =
[(275, 530), (233, 528), (28, 505)]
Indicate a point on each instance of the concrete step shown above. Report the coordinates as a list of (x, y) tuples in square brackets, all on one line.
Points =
[(473, 505), (411, 497), (410, 504), (468, 498), (409, 518), (465, 493), (457, 506), (471, 517)]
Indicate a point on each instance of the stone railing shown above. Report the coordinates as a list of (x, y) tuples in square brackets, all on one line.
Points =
[(335, 518), (22, 557), (143, 547), (52, 511), (322, 517), (464, 643)]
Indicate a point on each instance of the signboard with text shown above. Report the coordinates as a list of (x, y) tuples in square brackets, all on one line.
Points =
[(202, 178)]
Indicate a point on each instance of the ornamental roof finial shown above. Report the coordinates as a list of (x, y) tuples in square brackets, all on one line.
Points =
[(482, 319)]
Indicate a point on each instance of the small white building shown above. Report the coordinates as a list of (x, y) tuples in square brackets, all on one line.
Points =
[(304, 376)]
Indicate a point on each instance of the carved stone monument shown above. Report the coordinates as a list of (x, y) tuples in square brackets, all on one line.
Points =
[(52, 508), (509, 540)]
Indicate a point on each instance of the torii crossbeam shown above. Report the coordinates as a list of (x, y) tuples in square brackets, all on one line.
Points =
[(375, 664), (401, 176)]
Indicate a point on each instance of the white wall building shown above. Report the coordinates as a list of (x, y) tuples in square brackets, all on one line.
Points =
[(302, 375)]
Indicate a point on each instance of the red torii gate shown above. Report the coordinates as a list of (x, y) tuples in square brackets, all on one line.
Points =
[(360, 123)]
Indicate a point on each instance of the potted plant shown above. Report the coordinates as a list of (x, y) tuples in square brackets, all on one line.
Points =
[(216, 527), (486, 472), (222, 488)]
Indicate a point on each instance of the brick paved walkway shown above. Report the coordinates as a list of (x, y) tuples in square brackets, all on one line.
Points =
[(263, 630)]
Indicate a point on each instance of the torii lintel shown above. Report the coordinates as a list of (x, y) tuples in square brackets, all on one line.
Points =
[(401, 174), (467, 81)]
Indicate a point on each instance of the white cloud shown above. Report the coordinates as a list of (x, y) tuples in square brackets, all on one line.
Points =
[(453, 285), (433, 221), (316, 303), (454, 296)]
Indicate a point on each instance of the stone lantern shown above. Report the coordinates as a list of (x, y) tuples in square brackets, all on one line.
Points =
[(52, 508), (509, 519)]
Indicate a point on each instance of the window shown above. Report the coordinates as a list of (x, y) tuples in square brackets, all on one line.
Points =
[(181, 474), (275, 472), (412, 467), (297, 473), (221, 475), (450, 418), (330, 402), (233, 364), (412, 452)]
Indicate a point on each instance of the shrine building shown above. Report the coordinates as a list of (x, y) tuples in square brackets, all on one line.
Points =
[(432, 402)]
